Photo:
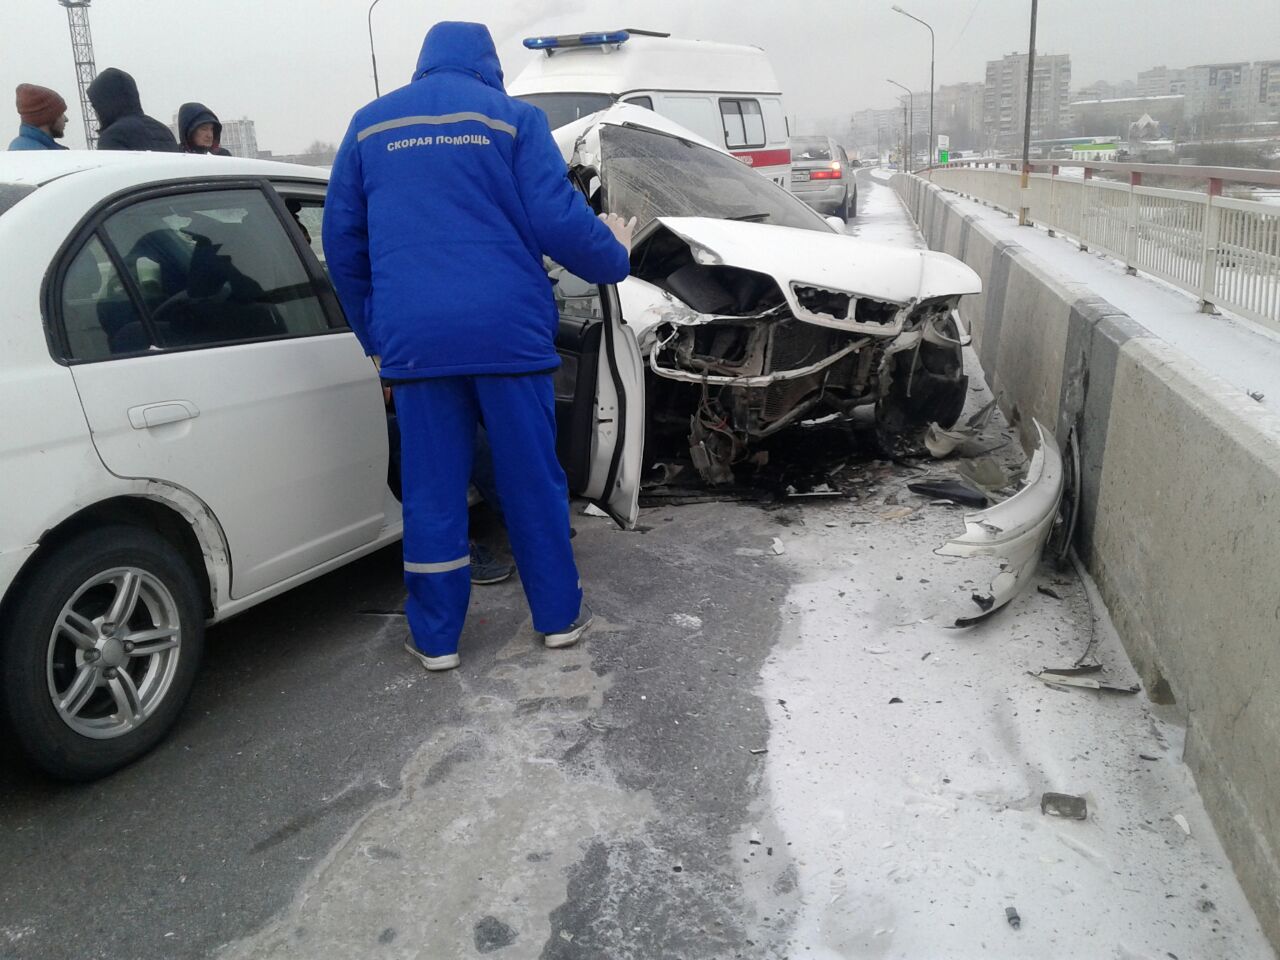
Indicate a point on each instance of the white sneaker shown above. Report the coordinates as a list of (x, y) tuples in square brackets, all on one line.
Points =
[(446, 662), (573, 632)]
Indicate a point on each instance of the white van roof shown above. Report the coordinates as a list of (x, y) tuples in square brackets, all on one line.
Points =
[(648, 63)]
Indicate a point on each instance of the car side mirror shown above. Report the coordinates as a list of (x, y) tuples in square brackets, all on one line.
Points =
[(836, 224)]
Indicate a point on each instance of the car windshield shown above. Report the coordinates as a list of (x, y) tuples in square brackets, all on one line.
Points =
[(648, 175), (11, 193), (564, 108), (811, 148)]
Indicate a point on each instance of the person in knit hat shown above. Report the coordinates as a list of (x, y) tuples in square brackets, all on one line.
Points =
[(43, 116)]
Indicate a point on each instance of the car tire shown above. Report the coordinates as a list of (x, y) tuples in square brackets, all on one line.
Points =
[(80, 698), (850, 209)]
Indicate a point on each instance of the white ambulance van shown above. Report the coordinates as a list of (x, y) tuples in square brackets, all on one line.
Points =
[(725, 93)]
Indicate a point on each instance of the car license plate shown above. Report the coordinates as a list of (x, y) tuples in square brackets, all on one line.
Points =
[(799, 176)]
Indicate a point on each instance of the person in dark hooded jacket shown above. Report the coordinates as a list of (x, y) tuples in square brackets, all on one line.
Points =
[(200, 130), (445, 196), (121, 123)]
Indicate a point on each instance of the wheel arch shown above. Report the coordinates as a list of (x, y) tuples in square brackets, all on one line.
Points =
[(175, 514)]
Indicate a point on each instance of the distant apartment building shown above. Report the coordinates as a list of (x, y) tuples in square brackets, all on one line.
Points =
[(1004, 99), (877, 131), (240, 138), (1106, 90), (957, 112), (1160, 82)]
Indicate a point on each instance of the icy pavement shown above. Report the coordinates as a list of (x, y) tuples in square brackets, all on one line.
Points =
[(881, 216), (907, 762), (1241, 352)]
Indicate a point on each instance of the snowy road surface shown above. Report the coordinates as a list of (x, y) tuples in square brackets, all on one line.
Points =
[(755, 754)]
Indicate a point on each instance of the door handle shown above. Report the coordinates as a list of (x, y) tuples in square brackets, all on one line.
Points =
[(158, 414)]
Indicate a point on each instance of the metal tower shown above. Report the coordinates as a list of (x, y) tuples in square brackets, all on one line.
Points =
[(86, 70)]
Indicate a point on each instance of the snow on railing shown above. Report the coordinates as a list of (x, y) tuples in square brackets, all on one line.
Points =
[(1223, 249)]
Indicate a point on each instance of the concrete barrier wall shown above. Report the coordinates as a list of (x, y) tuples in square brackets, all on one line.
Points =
[(1180, 522)]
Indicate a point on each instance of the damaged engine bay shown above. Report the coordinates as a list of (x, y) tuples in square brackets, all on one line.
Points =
[(733, 361)]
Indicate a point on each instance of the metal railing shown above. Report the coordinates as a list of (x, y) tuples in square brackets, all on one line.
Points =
[(1223, 249)]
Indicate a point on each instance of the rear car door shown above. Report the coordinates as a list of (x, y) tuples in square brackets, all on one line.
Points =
[(210, 353), (599, 397)]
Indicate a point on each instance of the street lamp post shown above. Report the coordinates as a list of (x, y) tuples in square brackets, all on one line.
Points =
[(931, 59), (372, 55), (1026, 127), (908, 125)]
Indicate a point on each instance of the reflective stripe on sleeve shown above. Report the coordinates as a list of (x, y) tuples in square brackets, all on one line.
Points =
[(444, 567), (500, 125)]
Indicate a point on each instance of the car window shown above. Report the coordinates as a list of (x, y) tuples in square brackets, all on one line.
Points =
[(308, 214), (11, 193), (98, 315), (646, 102), (215, 268), (811, 148), (743, 123), (647, 174), (564, 108)]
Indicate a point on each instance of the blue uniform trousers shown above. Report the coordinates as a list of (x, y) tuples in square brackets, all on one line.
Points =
[(438, 419)]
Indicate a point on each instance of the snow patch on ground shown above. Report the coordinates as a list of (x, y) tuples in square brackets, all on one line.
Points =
[(1239, 351)]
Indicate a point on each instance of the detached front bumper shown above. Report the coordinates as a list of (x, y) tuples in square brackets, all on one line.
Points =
[(1015, 530)]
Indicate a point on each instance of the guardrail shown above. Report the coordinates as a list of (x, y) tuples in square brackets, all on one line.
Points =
[(1224, 250)]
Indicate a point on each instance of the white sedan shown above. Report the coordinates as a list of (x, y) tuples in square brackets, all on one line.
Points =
[(191, 428)]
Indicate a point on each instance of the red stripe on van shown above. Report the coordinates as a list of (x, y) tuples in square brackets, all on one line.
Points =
[(764, 158)]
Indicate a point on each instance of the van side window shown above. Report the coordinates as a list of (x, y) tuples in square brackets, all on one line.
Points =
[(743, 123), (646, 102), (696, 113)]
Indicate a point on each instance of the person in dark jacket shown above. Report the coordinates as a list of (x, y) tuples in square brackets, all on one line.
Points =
[(200, 130), (444, 197), (121, 123), (43, 118)]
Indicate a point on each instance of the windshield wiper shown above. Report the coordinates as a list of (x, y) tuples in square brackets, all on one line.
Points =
[(752, 217)]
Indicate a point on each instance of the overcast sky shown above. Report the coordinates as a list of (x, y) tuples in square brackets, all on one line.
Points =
[(300, 68)]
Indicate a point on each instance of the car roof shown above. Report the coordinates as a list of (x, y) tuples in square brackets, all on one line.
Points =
[(649, 63), (38, 167)]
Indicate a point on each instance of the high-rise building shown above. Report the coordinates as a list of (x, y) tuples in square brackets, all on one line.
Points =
[(1161, 82), (239, 137), (957, 113), (1004, 99)]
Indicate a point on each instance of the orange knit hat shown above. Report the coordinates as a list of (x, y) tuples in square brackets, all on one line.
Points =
[(39, 106)]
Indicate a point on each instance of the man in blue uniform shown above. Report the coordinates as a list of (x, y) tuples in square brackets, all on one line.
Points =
[(444, 198)]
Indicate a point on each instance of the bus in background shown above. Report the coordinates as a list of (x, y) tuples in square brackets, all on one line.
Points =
[(725, 93)]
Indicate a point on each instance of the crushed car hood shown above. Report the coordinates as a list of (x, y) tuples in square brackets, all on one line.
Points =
[(811, 258)]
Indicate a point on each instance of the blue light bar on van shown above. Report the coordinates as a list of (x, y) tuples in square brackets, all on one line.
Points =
[(577, 40)]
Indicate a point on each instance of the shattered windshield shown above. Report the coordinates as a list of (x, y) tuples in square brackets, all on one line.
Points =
[(565, 108), (647, 175)]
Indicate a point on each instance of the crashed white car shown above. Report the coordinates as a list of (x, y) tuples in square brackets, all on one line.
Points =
[(753, 312)]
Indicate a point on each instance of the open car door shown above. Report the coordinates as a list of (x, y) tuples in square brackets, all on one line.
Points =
[(600, 412)]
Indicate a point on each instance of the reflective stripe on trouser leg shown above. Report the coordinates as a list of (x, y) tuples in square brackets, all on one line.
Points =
[(437, 439), (520, 418)]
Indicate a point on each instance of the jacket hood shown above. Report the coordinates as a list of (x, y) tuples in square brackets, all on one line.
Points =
[(190, 116), (114, 95), (460, 46)]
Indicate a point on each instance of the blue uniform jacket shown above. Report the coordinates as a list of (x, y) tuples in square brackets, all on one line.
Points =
[(33, 138), (444, 197)]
